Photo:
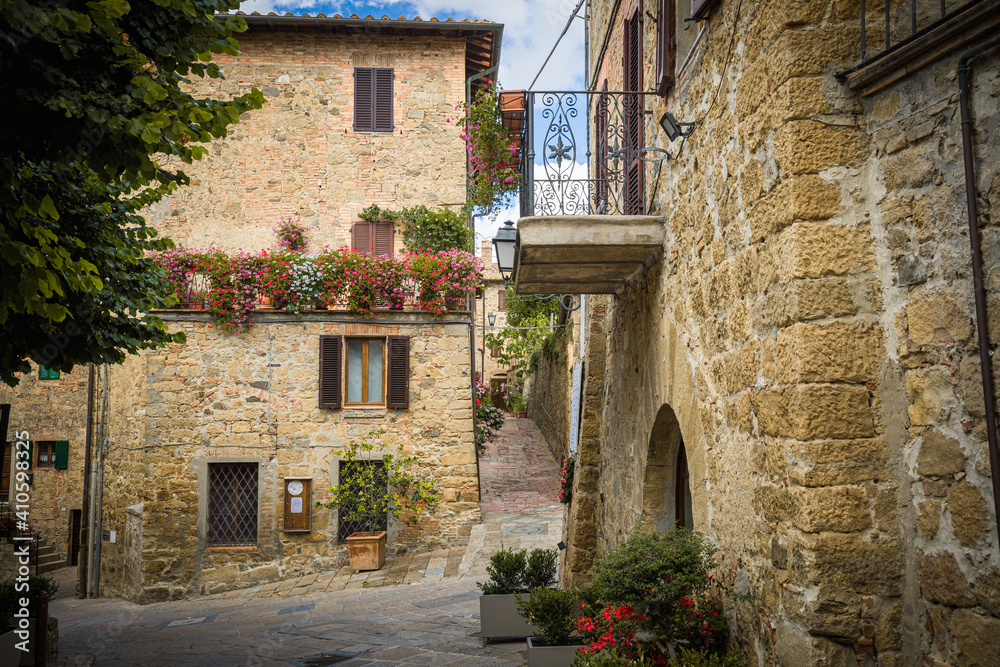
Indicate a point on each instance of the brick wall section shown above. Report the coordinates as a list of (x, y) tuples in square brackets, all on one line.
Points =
[(810, 327), (52, 410), (210, 400), (300, 156)]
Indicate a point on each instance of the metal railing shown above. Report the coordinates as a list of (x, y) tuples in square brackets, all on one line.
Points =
[(582, 152), (900, 22)]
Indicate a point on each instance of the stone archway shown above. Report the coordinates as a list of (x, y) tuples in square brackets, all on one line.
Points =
[(666, 490)]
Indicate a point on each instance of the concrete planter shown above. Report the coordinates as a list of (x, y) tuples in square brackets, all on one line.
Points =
[(366, 552), (10, 654), (498, 617), (552, 656)]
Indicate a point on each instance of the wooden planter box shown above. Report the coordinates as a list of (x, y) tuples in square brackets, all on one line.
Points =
[(552, 656), (367, 552), (498, 617)]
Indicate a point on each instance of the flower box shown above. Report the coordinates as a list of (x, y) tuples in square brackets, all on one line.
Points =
[(552, 656), (366, 552), (498, 617)]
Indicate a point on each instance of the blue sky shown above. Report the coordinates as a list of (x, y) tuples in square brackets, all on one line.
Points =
[(530, 29)]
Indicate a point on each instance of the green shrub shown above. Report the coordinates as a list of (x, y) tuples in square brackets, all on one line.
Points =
[(552, 610), (612, 656), (686, 658), (10, 596), (516, 572), (543, 565), (506, 570), (435, 230), (652, 573)]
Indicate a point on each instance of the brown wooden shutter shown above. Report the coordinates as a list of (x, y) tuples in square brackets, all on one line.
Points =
[(701, 8), (383, 99), (666, 46), (502, 299), (632, 110), (383, 237), (601, 138), (398, 394), (361, 236), (364, 99), (331, 350)]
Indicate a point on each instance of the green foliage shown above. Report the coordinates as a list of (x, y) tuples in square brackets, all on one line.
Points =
[(613, 656), (506, 570), (489, 419), (543, 565), (94, 91), (10, 597), (518, 345), (690, 658), (653, 573), (86, 284), (515, 571), (367, 491), (425, 230), (553, 611), (373, 214)]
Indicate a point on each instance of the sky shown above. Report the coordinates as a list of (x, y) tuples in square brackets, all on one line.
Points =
[(530, 30)]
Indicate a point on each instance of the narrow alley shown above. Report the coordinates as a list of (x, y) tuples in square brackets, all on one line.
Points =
[(417, 610)]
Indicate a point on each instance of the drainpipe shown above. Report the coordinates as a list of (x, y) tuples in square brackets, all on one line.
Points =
[(82, 558), (102, 445), (985, 353)]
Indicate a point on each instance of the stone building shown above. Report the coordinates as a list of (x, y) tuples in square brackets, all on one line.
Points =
[(781, 346), (220, 449), (493, 301)]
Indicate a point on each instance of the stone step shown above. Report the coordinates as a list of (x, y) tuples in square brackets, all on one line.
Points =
[(49, 566)]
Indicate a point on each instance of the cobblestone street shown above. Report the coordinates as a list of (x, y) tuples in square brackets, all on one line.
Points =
[(417, 610)]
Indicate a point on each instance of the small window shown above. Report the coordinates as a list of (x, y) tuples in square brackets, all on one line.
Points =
[(47, 373), (232, 504), (376, 238), (373, 99), (46, 453), (365, 371), (347, 528), (502, 300)]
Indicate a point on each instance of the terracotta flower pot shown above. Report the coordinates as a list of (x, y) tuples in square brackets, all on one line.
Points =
[(366, 552)]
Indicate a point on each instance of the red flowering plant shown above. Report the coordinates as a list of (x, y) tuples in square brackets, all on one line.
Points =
[(699, 621), (449, 274), (489, 420), (616, 625), (492, 152), (276, 275), (236, 284), (566, 480), (180, 264)]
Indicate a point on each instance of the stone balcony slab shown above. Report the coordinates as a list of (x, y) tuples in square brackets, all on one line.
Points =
[(584, 254)]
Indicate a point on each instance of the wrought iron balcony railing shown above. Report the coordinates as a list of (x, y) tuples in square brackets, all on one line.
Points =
[(583, 153)]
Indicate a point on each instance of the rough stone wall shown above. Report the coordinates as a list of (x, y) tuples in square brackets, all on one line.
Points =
[(809, 330), (253, 397), (300, 155), (549, 400), (484, 306), (52, 410)]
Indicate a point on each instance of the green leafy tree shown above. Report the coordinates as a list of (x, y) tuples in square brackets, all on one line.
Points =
[(94, 91), (368, 491), (531, 316)]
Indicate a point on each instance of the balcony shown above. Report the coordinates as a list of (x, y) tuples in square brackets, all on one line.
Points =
[(582, 228)]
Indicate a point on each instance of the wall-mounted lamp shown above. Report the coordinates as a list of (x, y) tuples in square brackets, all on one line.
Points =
[(673, 128), (493, 319), (503, 244)]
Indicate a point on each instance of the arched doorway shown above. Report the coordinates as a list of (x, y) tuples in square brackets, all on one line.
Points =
[(666, 491)]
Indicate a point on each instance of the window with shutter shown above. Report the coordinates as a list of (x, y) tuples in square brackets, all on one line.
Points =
[(383, 99), (330, 365), (632, 110), (47, 373), (502, 299), (373, 99), (398, 395), (46, 454), (365, 371), (62, 455), (601, 138), (361, 236), (383, 237), (666, 50)]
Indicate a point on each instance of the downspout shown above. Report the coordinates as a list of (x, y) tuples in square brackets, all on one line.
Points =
[(102, 447), (81, 562), (91, 511), (985, 353)]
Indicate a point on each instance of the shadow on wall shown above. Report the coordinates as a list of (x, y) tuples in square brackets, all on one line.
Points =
[(666, 491)]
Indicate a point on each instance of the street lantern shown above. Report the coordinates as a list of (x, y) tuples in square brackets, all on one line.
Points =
[(493, 319), (503, 245)]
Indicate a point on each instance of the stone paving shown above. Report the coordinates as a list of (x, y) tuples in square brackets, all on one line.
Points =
[(418, 610)]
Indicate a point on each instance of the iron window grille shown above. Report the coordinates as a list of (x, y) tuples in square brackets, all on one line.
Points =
[(232, 504), (347, 528)]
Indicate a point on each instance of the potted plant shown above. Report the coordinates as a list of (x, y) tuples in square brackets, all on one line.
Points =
[(513, 572), (368, 491), (552, 612)]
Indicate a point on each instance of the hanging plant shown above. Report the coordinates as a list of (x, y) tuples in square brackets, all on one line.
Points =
[(291, 235), (492, 149)]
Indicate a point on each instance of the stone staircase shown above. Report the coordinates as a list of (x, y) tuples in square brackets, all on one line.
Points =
[(48, 559)]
